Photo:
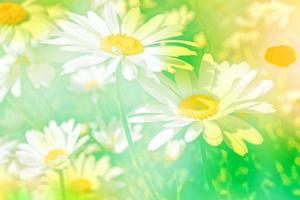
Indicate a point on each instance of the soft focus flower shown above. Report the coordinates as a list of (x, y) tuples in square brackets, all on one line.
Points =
[(271, 12), (6, 148), (247, 33), (91, 79), (281, 55), (200, 39), (289, 101), (14, 67), (179, 17), (21, 24), (126, 44), (98, 6), (87, 176), (174, 149), (206, 104), (50, 149), (112, 137)]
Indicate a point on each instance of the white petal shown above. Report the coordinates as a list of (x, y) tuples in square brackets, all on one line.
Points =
[(161, 138), (130, 21), (236, 143), (212, 133), (83, 61), (129, 70), (193, 132), (111, 18)]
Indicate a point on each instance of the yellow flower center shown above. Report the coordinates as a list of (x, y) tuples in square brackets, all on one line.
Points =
[(122, 43), (281, 56), (81, 185), (198, 107), (12, 13), (55, 156), (90, 85)]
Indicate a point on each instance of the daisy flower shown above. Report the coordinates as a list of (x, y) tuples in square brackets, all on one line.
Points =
[(274, 12), (51, 149), (181, 16), (16, 66), (22, 23), (91, 79), (6, 148), (105, 39), (112, 137), (207, 104), (86, 175)]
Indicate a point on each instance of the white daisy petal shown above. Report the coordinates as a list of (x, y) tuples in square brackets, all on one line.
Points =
[(212, 133), (130, 21), (161, 138), (81, 62), (111, 19), (193, 132), (129, 70)]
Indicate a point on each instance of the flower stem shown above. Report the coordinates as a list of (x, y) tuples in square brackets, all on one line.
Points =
[(126, 129), (204, 164), (62, 184)]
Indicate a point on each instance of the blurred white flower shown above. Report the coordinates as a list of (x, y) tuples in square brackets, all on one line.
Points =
[(272, 12), (174, 149), (91, 79), (86, 176), (181, 16), (112, 137), (14, 67), (126, 44), (23, 24), (51, 149), (120, 5), (246, 33), (6, 150), (206, 104), (289, 100)]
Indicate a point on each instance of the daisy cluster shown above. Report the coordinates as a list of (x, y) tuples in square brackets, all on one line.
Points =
[(99, 49)]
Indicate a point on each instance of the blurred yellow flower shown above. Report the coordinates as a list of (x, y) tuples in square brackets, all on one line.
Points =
[(281, 56), (22, 24)]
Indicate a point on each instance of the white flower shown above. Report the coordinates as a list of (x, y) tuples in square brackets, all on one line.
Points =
[(86, 175), (274, 12), (119, 5), (179, 17), (22, 24), (126, 44), (6, 148), (207, 104), (112, 137), (289, 100), (91, 79), (51, 149), (14, 67)]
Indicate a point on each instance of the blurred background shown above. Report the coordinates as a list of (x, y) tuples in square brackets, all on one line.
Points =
[(236, 31)]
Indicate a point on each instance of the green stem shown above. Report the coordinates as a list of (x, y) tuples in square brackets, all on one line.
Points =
[(62, 184), (204, 164), (126, 129)]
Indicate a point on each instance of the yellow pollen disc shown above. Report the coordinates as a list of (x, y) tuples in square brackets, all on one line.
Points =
[(122, 43), (81, 185), (12, 13), (90, 85), (198, 107), (53, 155), (281, 56)]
